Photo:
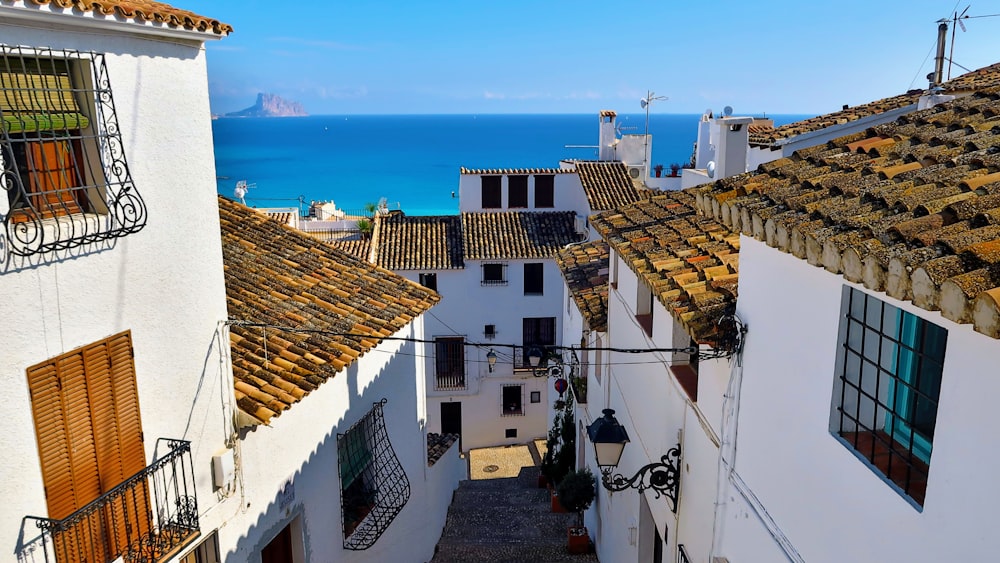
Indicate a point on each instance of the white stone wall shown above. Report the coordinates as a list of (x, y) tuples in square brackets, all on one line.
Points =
[(300, 446), (165, 283), (805, 478)]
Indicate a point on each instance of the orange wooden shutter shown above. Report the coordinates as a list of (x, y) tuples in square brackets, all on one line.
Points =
[(89, 433), (55, 174)]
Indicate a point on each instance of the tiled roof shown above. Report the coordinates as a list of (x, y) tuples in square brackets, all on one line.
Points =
[(516, 234), (509, 171), (607, 184), (910, 208), (279, 277), (419, 242), (438, 445), (689, 261), (283, 217), (984, 78), (585, 269), (359, 248), (140, 11)]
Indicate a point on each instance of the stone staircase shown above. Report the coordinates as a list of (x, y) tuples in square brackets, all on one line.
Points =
[(505, 520)]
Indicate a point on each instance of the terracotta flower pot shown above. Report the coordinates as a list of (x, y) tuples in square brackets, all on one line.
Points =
[(577, 540), (556, 505)]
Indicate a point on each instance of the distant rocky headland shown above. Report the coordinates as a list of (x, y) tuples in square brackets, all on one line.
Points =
[(270, 105)]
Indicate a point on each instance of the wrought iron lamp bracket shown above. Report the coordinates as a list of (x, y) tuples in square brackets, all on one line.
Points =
[(662, 477)]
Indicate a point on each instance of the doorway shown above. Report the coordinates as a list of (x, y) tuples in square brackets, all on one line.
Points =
[(451, 418)]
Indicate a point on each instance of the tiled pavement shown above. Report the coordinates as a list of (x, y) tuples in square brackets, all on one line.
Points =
[(505, 519)]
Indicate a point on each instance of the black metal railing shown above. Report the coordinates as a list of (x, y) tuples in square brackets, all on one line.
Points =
[(547, 357), (682, 555), (146, 518)]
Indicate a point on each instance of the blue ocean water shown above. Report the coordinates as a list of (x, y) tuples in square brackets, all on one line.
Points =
[(412, 160)]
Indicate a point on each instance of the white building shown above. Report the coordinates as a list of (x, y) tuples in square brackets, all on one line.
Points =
[(309, 401), (855, 391), (729, 145), (130, 436)]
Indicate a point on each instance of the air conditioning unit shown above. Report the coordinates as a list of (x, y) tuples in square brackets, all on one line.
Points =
[(635, 172)]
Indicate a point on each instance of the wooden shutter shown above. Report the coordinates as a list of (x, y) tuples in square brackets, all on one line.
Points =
[(89, 433), (53, 176)]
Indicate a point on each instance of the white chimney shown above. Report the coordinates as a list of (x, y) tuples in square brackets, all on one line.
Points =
[(606, 150), (731, 154)]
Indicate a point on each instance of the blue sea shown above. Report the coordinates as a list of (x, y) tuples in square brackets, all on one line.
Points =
[(413, 161)]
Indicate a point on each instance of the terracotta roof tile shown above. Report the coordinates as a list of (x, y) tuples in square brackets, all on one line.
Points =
[(607, 184), (516, 234), (419, 242), (359, 248), (279, 277), (585, 269), (688, 260), (438, 445), (508, 171), (981, 79), (140, 11), (916, 222)]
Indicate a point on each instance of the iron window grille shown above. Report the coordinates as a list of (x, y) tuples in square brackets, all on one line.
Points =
[(374, 487), (887, 388), (449, 362), (495, 274), (512, 400), (64, 171), (536, 333)]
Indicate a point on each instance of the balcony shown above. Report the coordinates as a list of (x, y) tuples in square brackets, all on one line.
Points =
[(149, 517), (448, 381)]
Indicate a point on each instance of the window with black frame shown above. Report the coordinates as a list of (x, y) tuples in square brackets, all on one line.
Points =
[(61, 152), (492, 196), (494, 274), (517, 192), (887, 389), (536, 333), (512, 400), (534, 282), (545, 192), (429, 280)]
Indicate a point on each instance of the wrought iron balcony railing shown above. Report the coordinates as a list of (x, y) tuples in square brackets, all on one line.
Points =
[(147, 518), (450, 381)]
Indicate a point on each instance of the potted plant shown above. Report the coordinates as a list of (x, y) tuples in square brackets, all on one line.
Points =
[(576, 493), (674, 168), (560, 450), (659, 170)]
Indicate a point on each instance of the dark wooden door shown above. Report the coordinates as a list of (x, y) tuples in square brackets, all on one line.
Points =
[(279, 550), (451, 418)]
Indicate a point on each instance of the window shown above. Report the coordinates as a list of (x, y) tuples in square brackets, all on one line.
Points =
[(510, 433), (374, 488), (545, 192), (494, 274), (533, 279), (89, 434), (490, 331), (61, 153), (430, 281), (644, 308), (536, 396), (517, 192), (206, 552), (537, 332), (886, 393), (449, 358), (492, 197), (512, 397)]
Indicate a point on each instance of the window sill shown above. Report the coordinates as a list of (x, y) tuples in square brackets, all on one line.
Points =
[(687, 377), (909, 475), (495, 283), (52, 230), (646, 322), (506, 414)]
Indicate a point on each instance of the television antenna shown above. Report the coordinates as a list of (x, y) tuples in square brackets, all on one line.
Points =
[(645, 103), (956, 21)]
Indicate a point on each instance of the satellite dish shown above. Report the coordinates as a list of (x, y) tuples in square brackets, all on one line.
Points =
[(711, 169), (727, 111), (643, 103)]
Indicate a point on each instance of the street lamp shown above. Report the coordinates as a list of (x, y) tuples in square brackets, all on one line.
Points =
[(491, 357), (645, 103), (609, 438)]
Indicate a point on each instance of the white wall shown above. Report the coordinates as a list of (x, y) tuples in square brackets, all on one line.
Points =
[(165, 283), (811, 484), (301, 446), (568, 194)]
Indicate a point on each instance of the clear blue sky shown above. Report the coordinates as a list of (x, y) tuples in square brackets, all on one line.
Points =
[(538, 56)]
